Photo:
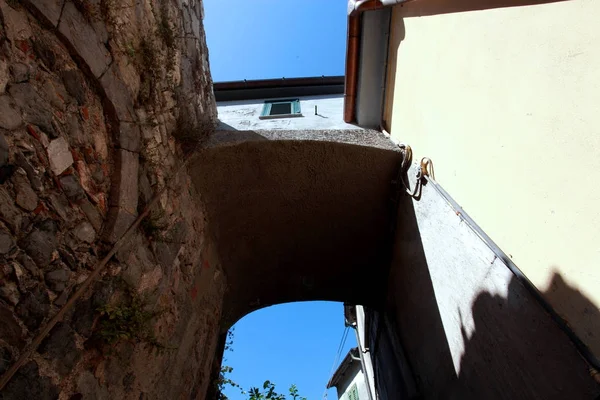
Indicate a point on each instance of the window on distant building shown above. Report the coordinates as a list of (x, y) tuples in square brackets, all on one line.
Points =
[(281, 109), (353, 393)]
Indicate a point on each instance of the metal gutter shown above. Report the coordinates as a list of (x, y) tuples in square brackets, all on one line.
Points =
[(385, 72), (278, 82), (352, 61), (282, 87), (355, 9)]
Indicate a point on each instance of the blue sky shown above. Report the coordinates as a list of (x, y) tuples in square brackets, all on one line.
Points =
[(260, 39), (293, 343)]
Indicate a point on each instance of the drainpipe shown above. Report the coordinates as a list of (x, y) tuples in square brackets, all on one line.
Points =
[(362, 360), (351, 68), (385, 71), (355, 9)]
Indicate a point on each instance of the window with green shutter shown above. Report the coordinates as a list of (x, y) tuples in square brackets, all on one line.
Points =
[(281, 109), (353, 393)]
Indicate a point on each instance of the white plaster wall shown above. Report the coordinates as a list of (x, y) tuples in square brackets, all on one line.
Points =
[(359, 380), (243, 115)]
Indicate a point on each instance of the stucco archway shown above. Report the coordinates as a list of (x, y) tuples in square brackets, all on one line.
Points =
[(298, 215)]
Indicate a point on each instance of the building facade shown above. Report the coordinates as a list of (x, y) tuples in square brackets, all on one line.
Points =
[(282, 104), (349, 378)]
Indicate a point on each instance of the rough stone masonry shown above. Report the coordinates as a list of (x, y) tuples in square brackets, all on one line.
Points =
[(99, 100)]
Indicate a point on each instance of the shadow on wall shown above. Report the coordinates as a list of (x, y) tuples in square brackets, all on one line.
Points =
[(435, 7), (515, 344), (573, 302), (506, 348)]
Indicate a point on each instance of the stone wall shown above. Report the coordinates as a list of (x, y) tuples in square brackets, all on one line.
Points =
[(99, 102)]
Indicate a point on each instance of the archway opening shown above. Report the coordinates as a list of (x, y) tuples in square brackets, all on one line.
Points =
[(300, 343)]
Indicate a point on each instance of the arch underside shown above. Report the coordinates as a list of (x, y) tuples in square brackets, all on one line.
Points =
[(298, 216)]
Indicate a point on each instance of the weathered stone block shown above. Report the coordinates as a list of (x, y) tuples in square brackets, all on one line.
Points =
[(28, 384), (15, 23), (84, 232), (124, 193), (26, 197), (20, 72), (92, 213), (8, 212), (6, 242), (29, 265), (10, 117), (118, 222), (35, 109), (121, 102), (45, 50), (34, 308), (72, 188), (41, 243), (129, 137), (60, 204), (49, 9), (89, 387), (10, 331), (82, 319), (84, 39), (60, 346), (4, 76), (32, 174), (3, 151), (10, 293), (5, 359), (58, 279), (75, 84), (59, 156)]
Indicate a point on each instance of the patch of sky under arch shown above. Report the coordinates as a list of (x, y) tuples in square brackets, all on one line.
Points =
[(293, 343), (262, 39)]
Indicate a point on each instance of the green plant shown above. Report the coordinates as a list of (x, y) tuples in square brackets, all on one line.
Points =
[(268, 393), (191, 135), (129, 321), (130, 51), (164, 26), (166, 33), (147, 64)]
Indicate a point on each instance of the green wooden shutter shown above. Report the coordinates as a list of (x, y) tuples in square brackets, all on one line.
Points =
[(353, 393), (296, 106), (266, 109)]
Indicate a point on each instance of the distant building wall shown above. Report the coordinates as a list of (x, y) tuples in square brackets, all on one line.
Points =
[(505, 103), (356, 377), (244, 115)]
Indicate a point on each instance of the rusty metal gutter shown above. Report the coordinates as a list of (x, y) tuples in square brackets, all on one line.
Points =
[(352, 59), (355, 9)]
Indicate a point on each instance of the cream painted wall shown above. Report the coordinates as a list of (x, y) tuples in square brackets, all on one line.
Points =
[(506, 102)]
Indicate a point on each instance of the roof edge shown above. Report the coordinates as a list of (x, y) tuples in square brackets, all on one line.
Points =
[(278, 83), (343, 367)]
